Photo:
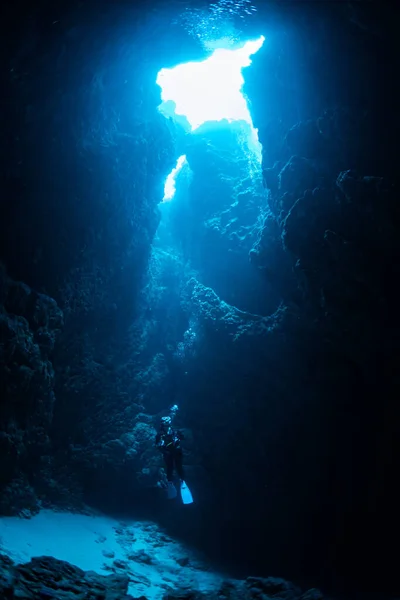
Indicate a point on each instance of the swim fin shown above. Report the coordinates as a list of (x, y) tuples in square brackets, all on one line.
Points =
[(186, 494), (171, 491)]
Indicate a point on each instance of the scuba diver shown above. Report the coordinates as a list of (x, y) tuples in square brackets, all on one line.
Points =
[(168, 440)]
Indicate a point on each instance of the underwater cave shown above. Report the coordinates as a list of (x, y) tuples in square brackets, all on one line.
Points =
[(219, 210), (198, 311)]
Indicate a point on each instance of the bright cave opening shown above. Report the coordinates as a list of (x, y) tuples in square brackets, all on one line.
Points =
[(170, 182), (219, 163), (207, 91), (211, 89)]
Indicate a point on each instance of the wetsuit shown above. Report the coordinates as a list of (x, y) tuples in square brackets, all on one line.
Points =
[(169, 442)]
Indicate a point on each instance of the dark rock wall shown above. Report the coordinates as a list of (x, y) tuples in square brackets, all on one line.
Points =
[(330, 174), (29, 325), (84, 162)]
